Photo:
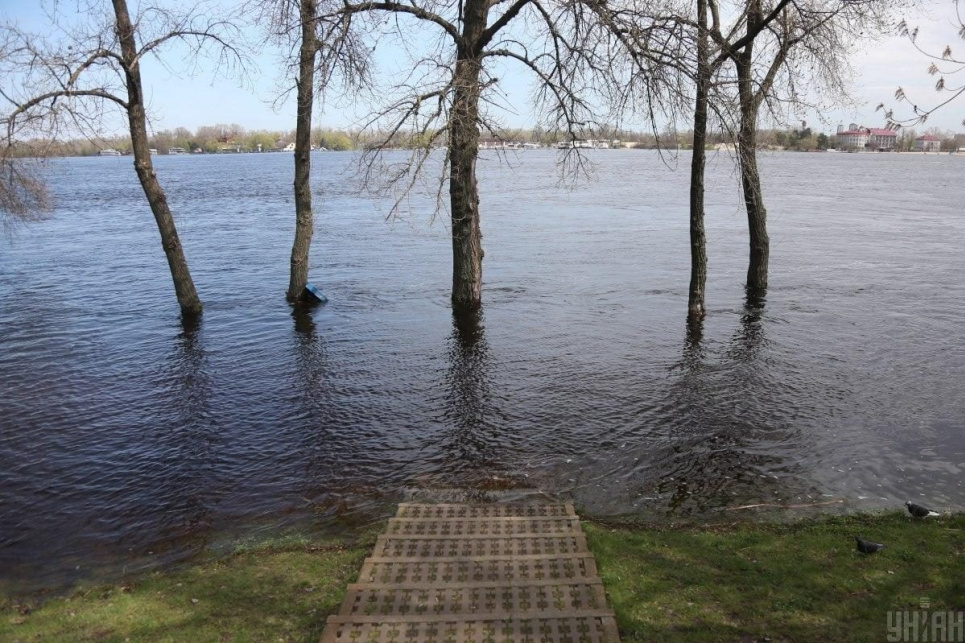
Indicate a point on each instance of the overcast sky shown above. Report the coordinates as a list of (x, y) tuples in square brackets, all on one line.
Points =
[(203, 100), (893, 62)]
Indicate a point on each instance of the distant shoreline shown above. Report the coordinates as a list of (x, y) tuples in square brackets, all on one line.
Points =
[(636, 149)]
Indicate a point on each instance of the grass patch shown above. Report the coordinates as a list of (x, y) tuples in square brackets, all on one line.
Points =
[(277, 592), (743, 582), (778, 582)]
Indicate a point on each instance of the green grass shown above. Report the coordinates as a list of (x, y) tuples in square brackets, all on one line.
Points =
[(793, 582), (271, 593), (741, 582)]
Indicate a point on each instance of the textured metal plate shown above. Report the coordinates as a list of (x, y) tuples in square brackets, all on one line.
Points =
[(477, 574), (485, 527), (415, 510), (401, 547), (566, 629), (506, 570), (479, 600)]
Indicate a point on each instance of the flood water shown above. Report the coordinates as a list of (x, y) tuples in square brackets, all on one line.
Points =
[(128, 441)]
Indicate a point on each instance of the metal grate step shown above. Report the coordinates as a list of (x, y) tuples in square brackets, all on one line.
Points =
[(416, 510), (502, 569), (477, 574), (475, 600), (442, 547), (482, 527), (575, 628)]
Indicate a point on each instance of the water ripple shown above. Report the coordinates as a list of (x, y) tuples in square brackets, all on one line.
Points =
[(129, 441)]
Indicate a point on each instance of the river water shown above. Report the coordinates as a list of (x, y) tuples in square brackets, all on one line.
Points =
[(128, 441)]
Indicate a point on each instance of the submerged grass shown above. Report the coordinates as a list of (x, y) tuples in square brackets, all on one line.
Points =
[(741, 582)]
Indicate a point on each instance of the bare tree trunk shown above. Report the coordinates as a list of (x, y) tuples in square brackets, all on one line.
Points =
[(304, 219), (467, 252), (183, 284), (754, 203), (747, 155), (698, 238)]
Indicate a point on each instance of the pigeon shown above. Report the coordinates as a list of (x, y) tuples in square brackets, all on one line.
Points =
[(918, 511), (868, 547)]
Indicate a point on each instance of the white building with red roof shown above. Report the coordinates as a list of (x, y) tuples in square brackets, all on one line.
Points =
[(928, 143), (853, 139), (860, 138), (883, 139)]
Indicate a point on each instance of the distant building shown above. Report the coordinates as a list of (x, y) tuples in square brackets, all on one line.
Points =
[(499, 144), (883, 140), (860, 138), (584, 143), (928, 143), (853, 139)]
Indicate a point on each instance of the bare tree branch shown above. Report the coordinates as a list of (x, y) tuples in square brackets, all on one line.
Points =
[(411, 9), (945, 64)]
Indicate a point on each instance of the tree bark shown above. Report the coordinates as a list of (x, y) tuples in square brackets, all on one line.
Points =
[(183, 284), (698, 239), (467, 252), (747, 155), (304, 218)]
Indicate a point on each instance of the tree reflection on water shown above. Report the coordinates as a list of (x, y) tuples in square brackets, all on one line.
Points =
[(716, 453), (472, 441), (184, 448)]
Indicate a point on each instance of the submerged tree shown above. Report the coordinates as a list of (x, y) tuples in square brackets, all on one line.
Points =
[(65, 86), (813, 28), (698, 235), (324, 48), (445, 95), (707, 64), (689, 48), (304, 218), (805, 47)]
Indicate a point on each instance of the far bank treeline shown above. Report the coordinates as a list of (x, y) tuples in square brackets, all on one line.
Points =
[(699, 66), (209, 139), (234, 138)]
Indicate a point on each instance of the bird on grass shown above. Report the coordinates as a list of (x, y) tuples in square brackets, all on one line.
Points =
[(868, 547), (919, 511)]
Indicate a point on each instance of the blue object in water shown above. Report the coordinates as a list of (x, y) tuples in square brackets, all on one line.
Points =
[(313, 294)]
